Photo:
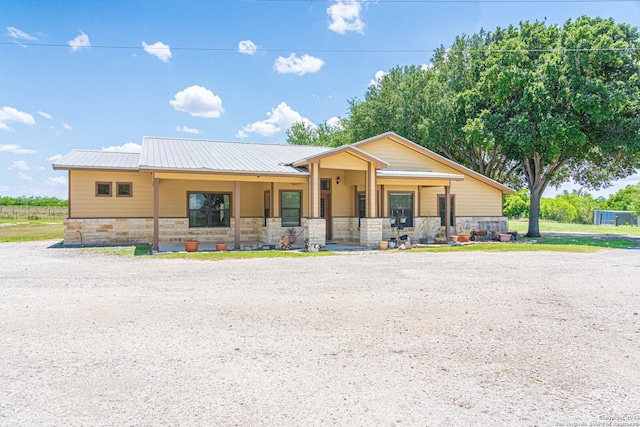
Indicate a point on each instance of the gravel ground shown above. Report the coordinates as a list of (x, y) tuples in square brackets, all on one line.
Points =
[(426, 339)]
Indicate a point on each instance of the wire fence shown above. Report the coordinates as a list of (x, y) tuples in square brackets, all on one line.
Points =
[(33, 212)]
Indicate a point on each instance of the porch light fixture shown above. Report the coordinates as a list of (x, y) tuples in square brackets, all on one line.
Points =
[(337, 180)]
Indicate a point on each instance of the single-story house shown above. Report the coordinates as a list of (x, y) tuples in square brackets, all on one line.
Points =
[(233, 192)]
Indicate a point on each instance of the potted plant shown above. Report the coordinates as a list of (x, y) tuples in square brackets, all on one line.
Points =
[(440, 238), (221, 247), (464, 235), (191, 244)]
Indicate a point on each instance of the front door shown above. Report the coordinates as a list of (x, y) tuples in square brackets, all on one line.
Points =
[(325, 206)]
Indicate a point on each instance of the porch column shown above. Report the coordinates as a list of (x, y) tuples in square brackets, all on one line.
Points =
[(156, 213), (236, 213), (447, 211), (370, 191), (314, 190)]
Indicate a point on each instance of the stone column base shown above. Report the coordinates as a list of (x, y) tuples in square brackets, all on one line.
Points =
[(370, 232), (316, 231)]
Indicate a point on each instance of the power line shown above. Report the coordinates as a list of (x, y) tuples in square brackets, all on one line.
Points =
[(280, 50)]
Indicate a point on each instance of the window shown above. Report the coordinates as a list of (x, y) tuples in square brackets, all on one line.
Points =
[(103, 189), (325, 184), (441, 209), (209, 210), (267, 206), (362, 206), (290, 208), (123, 189), (401, 209)]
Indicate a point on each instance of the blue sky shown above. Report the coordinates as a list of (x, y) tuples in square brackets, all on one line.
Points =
[(103, 74)]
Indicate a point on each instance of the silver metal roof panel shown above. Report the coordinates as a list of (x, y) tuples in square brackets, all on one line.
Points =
[(221, 156), (94, 159)]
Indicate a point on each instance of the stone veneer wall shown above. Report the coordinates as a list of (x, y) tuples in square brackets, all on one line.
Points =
[(429, 226), (371, 231), (316, 230), (107, 231), (345, 230)]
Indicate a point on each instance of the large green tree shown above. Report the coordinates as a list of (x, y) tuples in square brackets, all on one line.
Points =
[(531, 105)]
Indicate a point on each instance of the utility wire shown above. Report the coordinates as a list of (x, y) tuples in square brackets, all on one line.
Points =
[(234, 49)]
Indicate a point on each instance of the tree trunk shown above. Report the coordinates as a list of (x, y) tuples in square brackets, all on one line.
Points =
[(534, 214)]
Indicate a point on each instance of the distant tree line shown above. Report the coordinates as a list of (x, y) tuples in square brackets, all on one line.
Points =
[(574, 207), (32, 201)]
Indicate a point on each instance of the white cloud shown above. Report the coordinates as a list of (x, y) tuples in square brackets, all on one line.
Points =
[(15, 33), (80, 41), (16, 149), (129, 147), (345, 17), (300, 66), (377, 78), (8, 114), (54, 158), (66, 126), (57, 181), (186, 129), (20, 165), (159, 49), (279, 119), (334, 122), (25, 177), (198, 101), (45, 115), (247, 47)]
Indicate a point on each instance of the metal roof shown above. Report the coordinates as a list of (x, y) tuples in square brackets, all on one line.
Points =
[(387, 173), (221, 156), (94, 159)]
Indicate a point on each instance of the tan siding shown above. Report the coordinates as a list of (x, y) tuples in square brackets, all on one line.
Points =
[(85, 204), (473, 198), (343, 161), (279, 186), (173, 196), (342, 195), (400, 157)]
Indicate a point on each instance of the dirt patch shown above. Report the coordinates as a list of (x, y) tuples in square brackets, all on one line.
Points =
[(373, 338)]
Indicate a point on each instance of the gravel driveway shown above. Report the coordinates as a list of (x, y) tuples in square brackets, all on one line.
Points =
[(426, 339)]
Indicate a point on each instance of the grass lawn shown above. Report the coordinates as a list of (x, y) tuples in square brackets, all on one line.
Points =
[(522, 225), (16, 230), (204, 256), (582, 244)]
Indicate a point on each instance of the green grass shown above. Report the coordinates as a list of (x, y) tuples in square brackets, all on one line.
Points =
[(145, 250), (12, 230), (583, 244), (522, 225), (217, 256)]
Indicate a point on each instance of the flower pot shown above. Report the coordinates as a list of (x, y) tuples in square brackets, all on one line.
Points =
[(440, 240), (384, 244), (463, 237), (454, 239), (221, 247), (292, 239), (505, 237), (392, 244), (191, 246)]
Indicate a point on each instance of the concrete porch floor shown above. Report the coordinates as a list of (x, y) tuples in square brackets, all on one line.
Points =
[(211, 246)]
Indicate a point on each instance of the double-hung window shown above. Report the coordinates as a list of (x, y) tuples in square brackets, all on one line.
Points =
[(401, 209), (290, 208), (209, 210)]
